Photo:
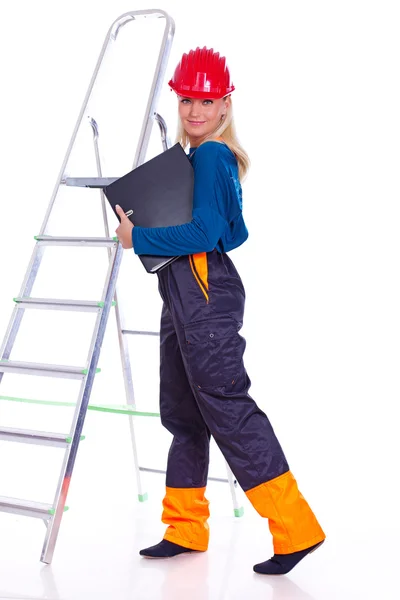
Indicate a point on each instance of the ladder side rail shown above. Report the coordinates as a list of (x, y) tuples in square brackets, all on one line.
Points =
[(163, 130), (122, 340), (155, 92), (123, 343)]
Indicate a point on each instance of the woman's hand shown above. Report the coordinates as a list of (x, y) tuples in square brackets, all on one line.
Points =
[(124, 231)]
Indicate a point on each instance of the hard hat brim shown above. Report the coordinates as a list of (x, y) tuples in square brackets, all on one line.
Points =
[(190, 93)]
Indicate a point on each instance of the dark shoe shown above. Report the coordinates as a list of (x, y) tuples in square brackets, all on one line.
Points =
[(165, 549), (280, 564)]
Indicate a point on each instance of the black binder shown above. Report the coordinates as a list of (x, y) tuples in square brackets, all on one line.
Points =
[(159, 193)]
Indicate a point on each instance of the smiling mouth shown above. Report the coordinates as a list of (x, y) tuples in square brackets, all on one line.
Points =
[(197, 122)]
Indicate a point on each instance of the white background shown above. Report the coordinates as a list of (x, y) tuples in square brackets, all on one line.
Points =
[(317, 108)]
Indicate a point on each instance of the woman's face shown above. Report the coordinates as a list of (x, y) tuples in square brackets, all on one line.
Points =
[(200, 117)]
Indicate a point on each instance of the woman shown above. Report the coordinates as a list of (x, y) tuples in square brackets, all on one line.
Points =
[(203, 382)]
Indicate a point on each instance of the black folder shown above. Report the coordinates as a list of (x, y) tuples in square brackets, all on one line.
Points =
[(159, 193)]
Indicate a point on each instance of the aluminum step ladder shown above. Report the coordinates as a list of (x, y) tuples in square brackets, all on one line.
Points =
[(51, 514)]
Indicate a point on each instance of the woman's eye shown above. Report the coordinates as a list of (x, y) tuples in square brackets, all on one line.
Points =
[(185, 101), (207, 102)]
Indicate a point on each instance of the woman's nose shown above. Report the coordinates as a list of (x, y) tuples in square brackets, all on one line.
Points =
[(194, 109)]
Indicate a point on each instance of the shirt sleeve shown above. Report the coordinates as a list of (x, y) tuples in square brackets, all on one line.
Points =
[(207, 225)]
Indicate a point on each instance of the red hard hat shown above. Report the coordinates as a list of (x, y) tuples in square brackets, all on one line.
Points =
[(202, 74)]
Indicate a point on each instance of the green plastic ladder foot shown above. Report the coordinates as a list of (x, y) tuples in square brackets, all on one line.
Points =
[(239, 512), (143, 497)]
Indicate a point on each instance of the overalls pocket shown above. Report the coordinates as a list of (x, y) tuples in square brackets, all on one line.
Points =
[(214, 351)]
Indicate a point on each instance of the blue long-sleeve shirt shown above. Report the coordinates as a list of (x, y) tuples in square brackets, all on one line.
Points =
[(217, 210)]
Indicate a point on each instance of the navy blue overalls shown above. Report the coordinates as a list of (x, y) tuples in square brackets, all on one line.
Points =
[(204, 389)]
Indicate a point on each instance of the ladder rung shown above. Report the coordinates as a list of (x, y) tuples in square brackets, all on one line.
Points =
[(49, 240), (58, 304), (134, 332), (90, 182), (27, 436), (27, 368), (27, 508)]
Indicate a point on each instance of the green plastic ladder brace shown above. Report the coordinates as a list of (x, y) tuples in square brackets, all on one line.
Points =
[(109, 408)]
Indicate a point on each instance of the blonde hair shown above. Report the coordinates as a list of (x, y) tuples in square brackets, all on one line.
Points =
[(225, 132)]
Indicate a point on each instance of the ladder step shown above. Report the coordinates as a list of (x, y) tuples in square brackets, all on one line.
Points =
[(27, 368), (58, 304), (50, 240), (134, 332), (41, 438), (90, 182), (27, 508)]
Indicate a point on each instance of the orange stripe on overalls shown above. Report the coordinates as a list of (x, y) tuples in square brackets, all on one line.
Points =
[(199, 266)]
